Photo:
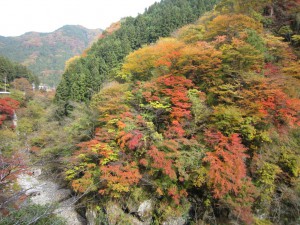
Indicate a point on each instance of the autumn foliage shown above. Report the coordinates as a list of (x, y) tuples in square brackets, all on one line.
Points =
[(227, 163), (119, 178), (7, 107), (10, 167), (197, 116)]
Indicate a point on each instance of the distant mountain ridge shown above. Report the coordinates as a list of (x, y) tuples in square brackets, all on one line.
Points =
[(45, 53)]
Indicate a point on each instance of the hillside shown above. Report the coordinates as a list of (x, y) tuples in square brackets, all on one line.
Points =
[(45, 53), (200, 126), (85, 75)]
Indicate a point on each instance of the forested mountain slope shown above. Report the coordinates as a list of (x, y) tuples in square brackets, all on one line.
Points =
[(85, 75), (205, 124), (201, 127), (45, 53)]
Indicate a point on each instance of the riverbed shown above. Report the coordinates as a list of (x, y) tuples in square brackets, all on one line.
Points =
[(44, 191)]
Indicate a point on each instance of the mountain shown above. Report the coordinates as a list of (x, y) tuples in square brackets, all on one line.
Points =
[(202, 127), (45, 53)]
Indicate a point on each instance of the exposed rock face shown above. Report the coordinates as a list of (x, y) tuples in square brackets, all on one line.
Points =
[(91, 215), (48, 192), (67, 210), (117, 216), (143, 216), (174, 221), (145, 210)]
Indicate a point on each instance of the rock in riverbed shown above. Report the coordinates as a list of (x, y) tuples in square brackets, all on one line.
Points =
[(43, 191)]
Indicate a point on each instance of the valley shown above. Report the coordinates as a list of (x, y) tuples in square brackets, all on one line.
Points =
[(187, 114)]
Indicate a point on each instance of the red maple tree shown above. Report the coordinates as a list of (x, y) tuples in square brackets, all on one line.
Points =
[(7, 107)]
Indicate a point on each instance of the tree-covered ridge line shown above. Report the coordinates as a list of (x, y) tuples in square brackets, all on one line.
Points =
[(85, 76), (45, 53)]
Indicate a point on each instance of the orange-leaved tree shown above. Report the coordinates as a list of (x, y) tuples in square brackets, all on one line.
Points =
[(227, 168)]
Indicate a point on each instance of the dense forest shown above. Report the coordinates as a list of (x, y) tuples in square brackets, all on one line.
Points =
[(10, 71), (178, 116)]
